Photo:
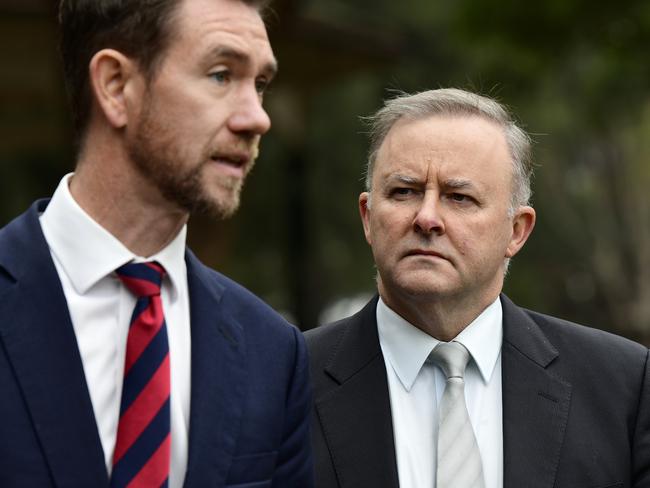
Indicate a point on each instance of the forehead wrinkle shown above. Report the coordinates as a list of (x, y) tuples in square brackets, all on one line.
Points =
[(229, 52), (386, 180), (198, 21)]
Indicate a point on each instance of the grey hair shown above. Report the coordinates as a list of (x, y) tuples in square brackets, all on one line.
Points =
[(456, 102)]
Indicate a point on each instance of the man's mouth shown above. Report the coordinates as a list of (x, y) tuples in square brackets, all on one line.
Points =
[(425, 252), (236, 160), (235, 163)]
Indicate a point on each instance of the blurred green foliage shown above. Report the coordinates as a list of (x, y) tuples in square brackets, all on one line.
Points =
[(574, 72)]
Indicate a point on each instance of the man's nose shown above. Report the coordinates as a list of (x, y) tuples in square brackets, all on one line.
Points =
[(249, 115), (428, 219)]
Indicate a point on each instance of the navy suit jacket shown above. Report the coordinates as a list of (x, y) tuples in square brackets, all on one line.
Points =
[(250, 398), (576, 405)]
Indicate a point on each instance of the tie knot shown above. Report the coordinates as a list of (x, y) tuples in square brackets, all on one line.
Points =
[(452, 357), (142, 279)]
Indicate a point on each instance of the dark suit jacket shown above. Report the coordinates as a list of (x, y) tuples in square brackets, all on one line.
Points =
[(249, 414), (576, 405)]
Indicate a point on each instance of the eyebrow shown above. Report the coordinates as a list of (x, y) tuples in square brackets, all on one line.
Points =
[(270, 69), (450, 184), (400, 178), (459, 184)]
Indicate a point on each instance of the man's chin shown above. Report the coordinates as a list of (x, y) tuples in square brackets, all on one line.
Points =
[(428, 288), (221, 208)]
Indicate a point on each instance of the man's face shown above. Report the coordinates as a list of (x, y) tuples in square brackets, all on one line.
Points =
[(196, 135), (438, 219)]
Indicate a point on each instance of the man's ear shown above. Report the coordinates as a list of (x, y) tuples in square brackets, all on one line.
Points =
[(364, 210), (111, 76), (523, 223)]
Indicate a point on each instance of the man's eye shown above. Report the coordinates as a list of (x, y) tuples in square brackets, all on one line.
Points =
[(261, 85), (459, 197), (221, 77), (401, 192)]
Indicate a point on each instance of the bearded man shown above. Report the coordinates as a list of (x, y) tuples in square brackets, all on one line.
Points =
[(124, 361)]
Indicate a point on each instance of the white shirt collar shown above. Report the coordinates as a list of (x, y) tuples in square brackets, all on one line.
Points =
[(88, 252), (406, 347)]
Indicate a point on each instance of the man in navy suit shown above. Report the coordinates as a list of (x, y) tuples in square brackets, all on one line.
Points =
[(167, 104), (544, 403)]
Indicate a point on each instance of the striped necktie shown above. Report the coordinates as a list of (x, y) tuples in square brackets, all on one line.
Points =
[(459, 459), (142, 450)]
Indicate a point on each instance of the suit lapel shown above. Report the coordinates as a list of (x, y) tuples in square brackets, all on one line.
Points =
[(358, 368), (535, 403), (218, 379), (41, 346)]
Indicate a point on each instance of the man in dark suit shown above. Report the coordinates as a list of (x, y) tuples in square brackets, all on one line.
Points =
[(123, 359), (441, 381)]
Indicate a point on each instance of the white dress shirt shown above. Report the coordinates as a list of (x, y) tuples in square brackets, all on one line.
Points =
[(416, 388), (86, 256)]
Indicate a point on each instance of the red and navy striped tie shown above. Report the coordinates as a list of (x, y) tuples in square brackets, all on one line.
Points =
[(142, 449)]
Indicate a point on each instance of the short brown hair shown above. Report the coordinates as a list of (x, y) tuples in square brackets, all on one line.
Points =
[(140, 29)]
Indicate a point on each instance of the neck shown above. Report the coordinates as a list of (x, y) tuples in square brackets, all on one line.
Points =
[(123, 202), (440, 317)]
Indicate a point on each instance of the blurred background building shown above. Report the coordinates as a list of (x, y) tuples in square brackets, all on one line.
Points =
[(574, 71)]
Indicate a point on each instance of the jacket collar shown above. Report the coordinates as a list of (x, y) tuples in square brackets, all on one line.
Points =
[(535, 402), (219, 374), (38, 337), (358, 368)]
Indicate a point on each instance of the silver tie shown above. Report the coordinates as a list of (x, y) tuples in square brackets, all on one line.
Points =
[(459, 460)]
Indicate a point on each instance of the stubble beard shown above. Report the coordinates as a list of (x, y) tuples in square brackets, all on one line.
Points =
[(156, 154)]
